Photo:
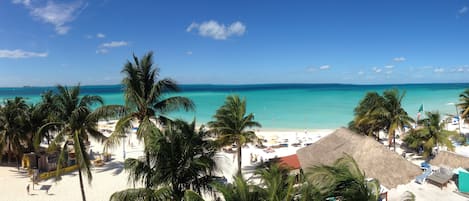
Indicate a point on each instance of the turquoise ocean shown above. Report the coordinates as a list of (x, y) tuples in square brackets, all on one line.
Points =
[(283, 106)]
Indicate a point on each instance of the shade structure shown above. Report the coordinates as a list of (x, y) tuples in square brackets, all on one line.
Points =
[(373, 158), (290, 161), (450, 159)]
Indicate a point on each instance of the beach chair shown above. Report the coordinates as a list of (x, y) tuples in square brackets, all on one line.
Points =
[(423, 177)]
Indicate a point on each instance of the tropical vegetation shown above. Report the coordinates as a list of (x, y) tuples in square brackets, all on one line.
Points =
[(180, 164), (343, 179), (147, 99), (431, 135), (77, 122), (232, 123), (464, 104), (381, 113), (13, 128)]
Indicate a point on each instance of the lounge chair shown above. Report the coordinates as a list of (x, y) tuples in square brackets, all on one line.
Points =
[(421, 178)]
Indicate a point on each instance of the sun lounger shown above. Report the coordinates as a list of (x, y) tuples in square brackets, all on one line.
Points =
[(421, 178)]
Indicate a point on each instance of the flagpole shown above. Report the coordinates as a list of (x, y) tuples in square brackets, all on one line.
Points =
[(457, 114)]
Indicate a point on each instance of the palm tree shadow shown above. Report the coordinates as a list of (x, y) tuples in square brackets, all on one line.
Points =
[(19, 174), (117, 166)]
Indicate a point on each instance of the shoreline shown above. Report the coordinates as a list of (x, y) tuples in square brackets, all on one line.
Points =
[(113, 173)]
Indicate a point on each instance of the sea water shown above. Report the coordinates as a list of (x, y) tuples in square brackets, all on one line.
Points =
[(283, 106)]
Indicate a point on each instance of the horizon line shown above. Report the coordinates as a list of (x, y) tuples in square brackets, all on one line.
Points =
[(247, 84)]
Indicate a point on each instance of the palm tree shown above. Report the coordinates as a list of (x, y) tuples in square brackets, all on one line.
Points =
[(231, 123), (395, 116), (40, 114), (464, 105), (146, 98), (276, 183), (77, 123), (367, 118), (13, 127), (308, 192), (375, 113), (239, 190), (343, 179), (431, 135), (180, 161)]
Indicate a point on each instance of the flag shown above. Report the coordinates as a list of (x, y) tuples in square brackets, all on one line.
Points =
[(419, 112)]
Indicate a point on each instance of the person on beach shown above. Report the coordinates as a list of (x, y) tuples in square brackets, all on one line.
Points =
[(27, 189)]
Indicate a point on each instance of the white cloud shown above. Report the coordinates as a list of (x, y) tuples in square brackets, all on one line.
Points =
[(57, 14), (399, 59), (324, 67), (24, 2), (102, 51), (189, 52), (100, 35), (192, 26), (377, 70), (62, 30), (439, 70), (314, 69), (463, 10), (218, 31), (360, 73), (389, 66), (113, 44), (104, 48), (20, 54), (311, 69)]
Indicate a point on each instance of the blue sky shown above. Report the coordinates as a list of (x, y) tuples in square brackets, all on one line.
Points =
[(49, 42)]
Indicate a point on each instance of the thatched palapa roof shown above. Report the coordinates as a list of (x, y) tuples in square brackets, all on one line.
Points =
[(450, 159), (376, 160)]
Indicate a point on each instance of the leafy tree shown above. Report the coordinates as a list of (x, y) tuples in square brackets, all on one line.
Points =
[(375, 113), (343, 179), (231, 124), (367, 118), (13, 127), (464, 104), (146, 99), (180, 161), (277, 184), (77, 122), (239, 190), (308, 192), (395, 116), (432, 134), (41, 114)]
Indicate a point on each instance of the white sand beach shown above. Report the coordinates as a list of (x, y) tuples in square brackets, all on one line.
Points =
[(111, 177)]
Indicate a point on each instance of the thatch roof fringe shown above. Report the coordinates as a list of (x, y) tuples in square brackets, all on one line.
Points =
[(373, 158), (450, 159)]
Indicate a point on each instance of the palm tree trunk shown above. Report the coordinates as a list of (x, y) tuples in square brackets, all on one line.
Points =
[(9, 153), (81, 185), (390, 138), (239, 160)]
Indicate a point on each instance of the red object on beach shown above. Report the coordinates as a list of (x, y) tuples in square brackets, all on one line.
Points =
[(290, 161)]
